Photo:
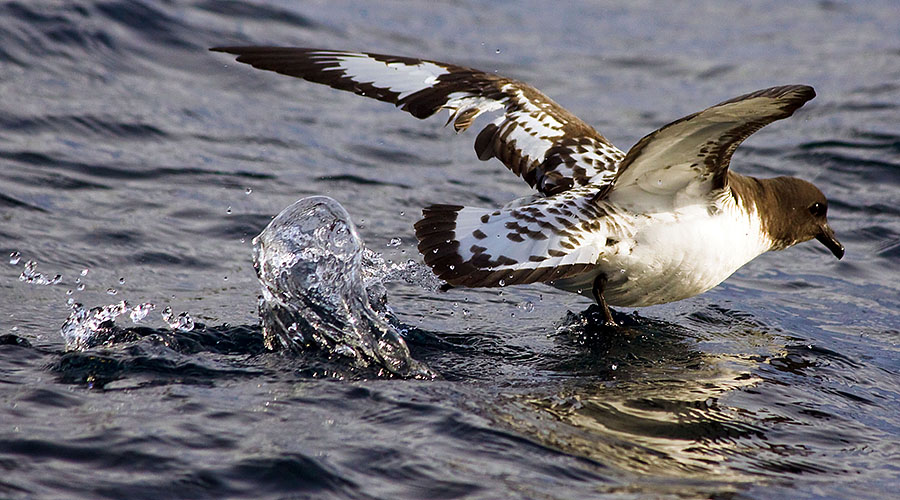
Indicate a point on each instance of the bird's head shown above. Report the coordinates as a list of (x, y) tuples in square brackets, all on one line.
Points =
[(800, 215)]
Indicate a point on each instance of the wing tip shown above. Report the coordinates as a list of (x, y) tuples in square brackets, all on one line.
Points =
[(794, 95)]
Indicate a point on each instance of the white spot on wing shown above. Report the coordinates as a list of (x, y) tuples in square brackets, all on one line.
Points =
[(402, 78)]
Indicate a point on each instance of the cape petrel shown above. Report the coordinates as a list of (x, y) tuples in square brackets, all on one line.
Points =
[(665, 221)]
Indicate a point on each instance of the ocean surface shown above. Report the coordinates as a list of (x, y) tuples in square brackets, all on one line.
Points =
[(137, 166)]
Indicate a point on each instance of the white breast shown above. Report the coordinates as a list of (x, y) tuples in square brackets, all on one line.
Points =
[(676, 255)]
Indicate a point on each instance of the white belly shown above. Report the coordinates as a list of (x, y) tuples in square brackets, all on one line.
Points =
[(674, 256)]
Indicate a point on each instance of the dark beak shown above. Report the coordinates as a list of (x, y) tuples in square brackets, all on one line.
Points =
[(826, 237)]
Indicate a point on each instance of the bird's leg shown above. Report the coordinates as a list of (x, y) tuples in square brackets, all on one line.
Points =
[(599, 284)]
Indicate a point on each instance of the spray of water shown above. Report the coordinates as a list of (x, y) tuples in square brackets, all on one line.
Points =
[(322, 289)]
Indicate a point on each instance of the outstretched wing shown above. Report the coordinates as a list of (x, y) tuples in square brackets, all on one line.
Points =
[(698, 147), (550, 238), (537, 139)]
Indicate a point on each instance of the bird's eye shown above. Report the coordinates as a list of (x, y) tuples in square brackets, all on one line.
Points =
[(818, 209)]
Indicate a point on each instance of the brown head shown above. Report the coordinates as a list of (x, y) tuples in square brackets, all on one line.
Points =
[(792, 211)]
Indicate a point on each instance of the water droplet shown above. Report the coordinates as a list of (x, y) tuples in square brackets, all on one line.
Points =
[(225, 278), (502, 283), (228, 210), (182, 322), (402, 213), (141, 311), (80, 287), (248, 191), (29, 275), (452, 267), (497, 51), (14, 258), (527, 306), (614, 366), (395, 242), (121, 281), (84, 272), (185, 322), (111, 291)]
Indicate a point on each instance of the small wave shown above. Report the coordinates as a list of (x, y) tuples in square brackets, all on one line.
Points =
[(231, 9), (355, 179), (395, 157), (148, 22), (10, 201), (82, 125)]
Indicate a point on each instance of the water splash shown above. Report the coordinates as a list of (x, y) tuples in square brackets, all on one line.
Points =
[(322, 289), (87, 328), (30, 274), (376, 271), (140, 311), (182, 322)]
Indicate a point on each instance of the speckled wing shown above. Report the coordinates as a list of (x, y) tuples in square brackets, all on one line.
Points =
[(537, 139), (550, 238), (698, 148)]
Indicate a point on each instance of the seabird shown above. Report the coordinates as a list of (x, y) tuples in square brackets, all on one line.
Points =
[(663, 222)]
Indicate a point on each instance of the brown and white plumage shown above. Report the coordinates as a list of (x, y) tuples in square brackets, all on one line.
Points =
[(535, 138), (664, 222)]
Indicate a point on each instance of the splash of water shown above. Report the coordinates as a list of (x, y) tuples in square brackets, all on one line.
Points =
[(30, 275), (322, 289), (84, 328), (87, 328), (181, 322)]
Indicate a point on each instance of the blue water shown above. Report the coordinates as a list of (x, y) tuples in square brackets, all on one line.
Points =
[(138, 166)]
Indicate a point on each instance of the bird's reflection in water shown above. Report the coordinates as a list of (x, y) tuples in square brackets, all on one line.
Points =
[(649, 398)]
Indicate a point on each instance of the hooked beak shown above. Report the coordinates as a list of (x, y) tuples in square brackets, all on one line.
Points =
[(826, 237)]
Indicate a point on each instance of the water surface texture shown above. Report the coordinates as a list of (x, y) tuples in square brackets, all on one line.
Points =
[(136, 167)]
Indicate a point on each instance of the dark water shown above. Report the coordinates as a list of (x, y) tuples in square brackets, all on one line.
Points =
[(129, 151)]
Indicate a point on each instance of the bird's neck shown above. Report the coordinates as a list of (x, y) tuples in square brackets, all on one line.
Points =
[(767, 200)]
